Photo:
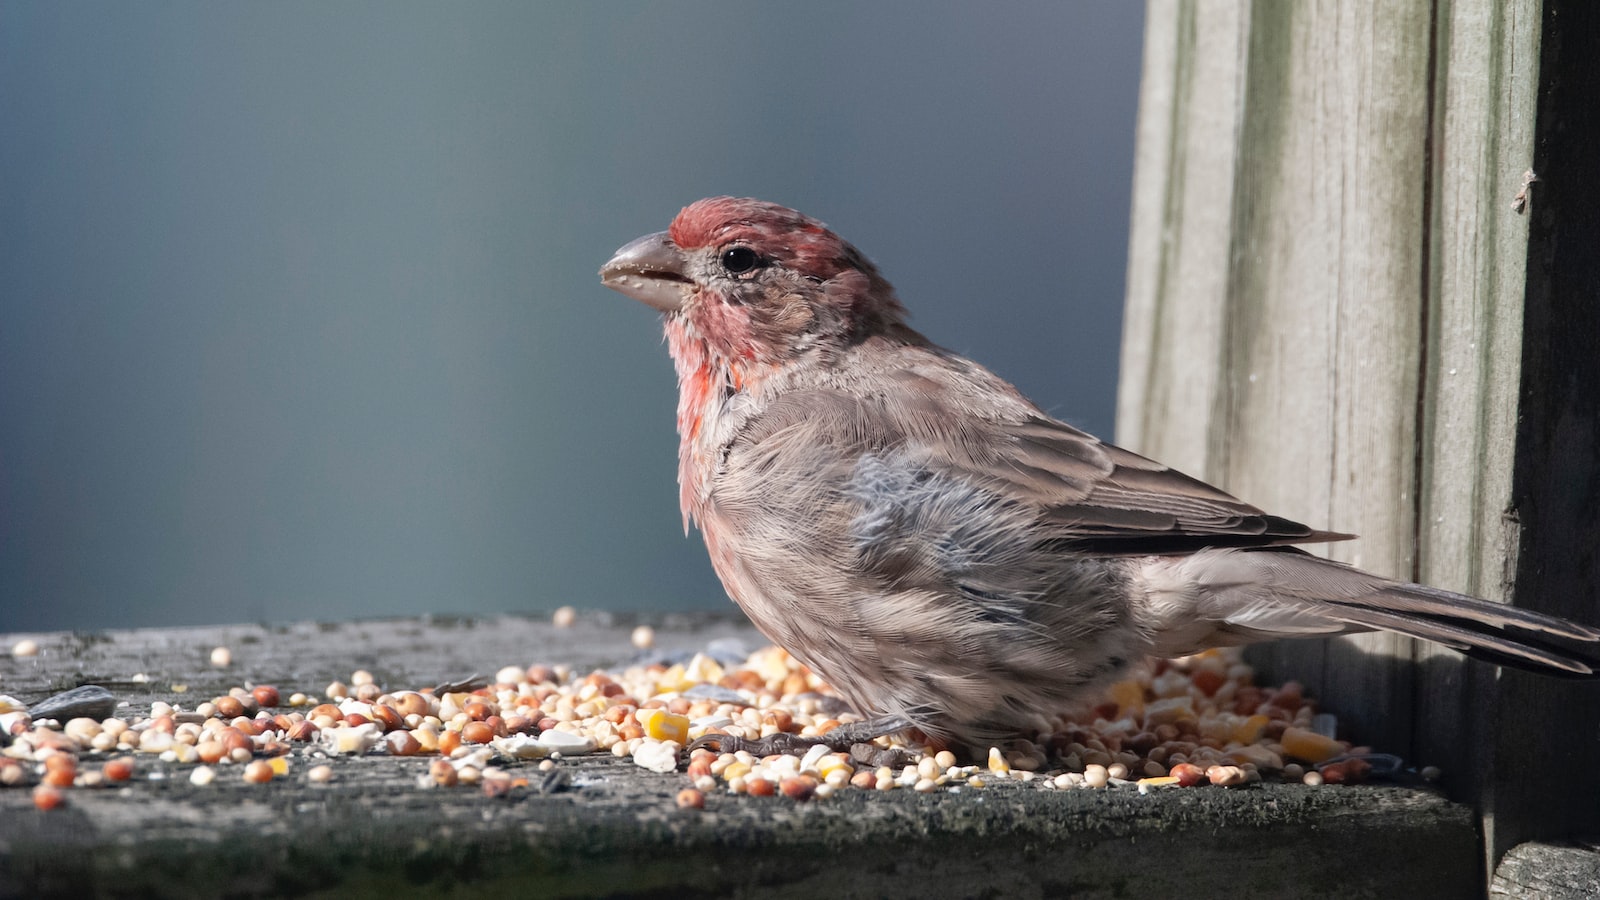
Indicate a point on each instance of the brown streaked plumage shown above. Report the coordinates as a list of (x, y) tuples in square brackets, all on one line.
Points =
[(935, 545)]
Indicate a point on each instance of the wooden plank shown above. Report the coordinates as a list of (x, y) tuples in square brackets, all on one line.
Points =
[(1325, 315), (1274, 349), (1186, 149), (1546, 776), (1486, 78)]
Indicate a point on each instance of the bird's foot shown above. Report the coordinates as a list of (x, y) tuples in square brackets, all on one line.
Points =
[(845, 738)]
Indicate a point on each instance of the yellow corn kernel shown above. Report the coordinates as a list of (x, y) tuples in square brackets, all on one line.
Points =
[(673, 679), (1309, 746), (1129, 697), (1250, 730), (664, 726), (997, 761)]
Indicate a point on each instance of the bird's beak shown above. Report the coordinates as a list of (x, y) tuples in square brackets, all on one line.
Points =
[(650, 270)]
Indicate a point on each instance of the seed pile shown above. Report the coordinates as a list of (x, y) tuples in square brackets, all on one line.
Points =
[(1200, 720)]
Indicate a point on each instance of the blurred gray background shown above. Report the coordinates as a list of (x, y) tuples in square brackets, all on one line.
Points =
[(298, 307)]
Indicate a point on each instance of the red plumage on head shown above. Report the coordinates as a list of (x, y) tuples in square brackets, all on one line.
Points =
[(801, 242)]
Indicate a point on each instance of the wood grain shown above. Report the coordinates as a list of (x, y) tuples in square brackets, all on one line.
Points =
[(1325, 316)]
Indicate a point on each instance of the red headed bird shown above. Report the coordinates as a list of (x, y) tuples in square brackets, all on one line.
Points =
[(942, 551)]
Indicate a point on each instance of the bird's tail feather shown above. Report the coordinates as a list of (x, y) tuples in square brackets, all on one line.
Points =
[(1323, 589)]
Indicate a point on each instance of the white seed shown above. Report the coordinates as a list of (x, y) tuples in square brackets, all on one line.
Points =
[(25, 647), (319, 774), (221, 657), (1095, 776), (202, 776), (644, 637)]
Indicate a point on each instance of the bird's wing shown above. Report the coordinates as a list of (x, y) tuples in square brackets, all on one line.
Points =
[(1103, 499), (1094, 497)]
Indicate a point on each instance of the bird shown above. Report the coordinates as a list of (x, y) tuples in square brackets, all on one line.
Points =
[(949, 557)]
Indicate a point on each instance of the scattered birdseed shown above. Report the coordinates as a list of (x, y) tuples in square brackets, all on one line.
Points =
[(1177, 723), (221, 657)]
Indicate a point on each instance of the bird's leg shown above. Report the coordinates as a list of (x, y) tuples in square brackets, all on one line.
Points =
[(839, 739)]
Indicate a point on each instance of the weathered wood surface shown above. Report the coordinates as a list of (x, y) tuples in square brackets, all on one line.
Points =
[(1540, 871), (1325, 316), (615, 830)]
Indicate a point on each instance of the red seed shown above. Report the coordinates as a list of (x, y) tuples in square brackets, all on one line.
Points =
[(477, 733), (442, 772), (265, 695), (1207, 681), (388, 718), (61, 762), (1188, 774), (228, 707), (120, 769), (59, 777), (449, 742), (799, 788), (759, 787), (47, 797), (691, 798)]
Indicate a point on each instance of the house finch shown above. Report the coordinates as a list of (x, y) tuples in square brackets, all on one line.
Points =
[(943, 552)]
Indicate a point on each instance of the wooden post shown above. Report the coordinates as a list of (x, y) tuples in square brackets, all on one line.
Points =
[(1325, 316)]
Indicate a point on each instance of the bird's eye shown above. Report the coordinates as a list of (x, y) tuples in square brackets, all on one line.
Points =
[(740, 260)]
